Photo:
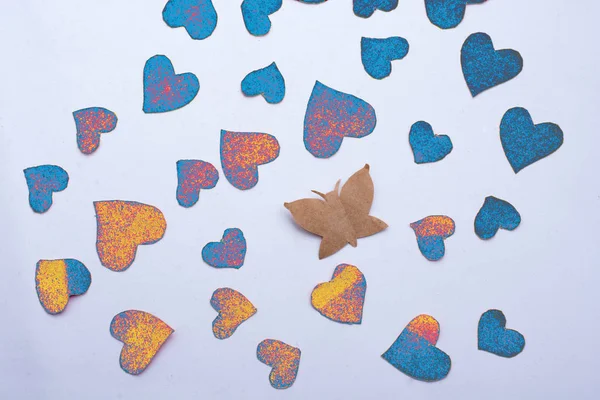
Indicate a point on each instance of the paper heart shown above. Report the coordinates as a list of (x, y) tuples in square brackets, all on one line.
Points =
[(377, 54), (493, 215), (90, 123), (366, 8), (431, 232), (57, 280), (122, 227), (282, 358), (242, 153), (342, 298), (312, 1), (142, 335), (193, 175), (525, 143), (42, 181), (493, 337), (256, 15), (163, 90), (230, 252), (198, 17), (332, 115), (267, 82), (414, 351), (233, 308), (448, 14), (483, 67), (428, 147)]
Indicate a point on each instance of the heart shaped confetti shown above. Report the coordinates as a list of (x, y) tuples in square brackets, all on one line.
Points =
[(415, 353), (366, 8), (242, 153), (267, 82), (57, 280), (233, 308), (282, 358), (42, 182), (448, 14), (256, 15), (163, 90), (377, 54), (230, 252), (142, 335), (525, 143), (198, 17), (193, 175), (426, 146), (332, 115), (342, 298), (493, 337), (90, 123), (431, 232), (122, 227), (484, 67), (493, 215)]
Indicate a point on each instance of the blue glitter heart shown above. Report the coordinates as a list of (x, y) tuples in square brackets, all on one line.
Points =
[(267, 81), (366, 8), (448, 14), (493, 215), (256, 15), (377, 54), (426, 146), (198, 17), (42, 181), (493, 337), (163, 89)]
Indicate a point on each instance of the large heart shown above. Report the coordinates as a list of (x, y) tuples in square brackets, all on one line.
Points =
[(377, 54), (483, 67), (90, 123), (230, 252), (122, 227), (283, 359), (495, 214), (57, 280), (524, 142), (431, 232), (342, 298), (493, 337), (366, 8), (267, 82), (198, 17), (448, 14), (193, 175), (414, 351), (428, 147), (163, 89), (256, 15), (42, 182), (233, 308)]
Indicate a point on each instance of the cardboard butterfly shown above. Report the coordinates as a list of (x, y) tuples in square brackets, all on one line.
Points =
[(342, 216)]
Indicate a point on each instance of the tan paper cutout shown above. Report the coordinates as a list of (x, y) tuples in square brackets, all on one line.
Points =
[(343, 217)]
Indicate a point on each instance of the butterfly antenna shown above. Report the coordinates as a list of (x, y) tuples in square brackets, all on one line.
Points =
[(337, 186), (319, 193)]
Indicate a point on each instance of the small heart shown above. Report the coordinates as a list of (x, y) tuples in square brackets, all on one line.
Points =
[(230, 252), (312, 1), (242, 153), (163, 90), (493, 337), (122, 227), (90, 123), (142, 335), (193, 175), (525, 143), (366, 8), (493, 215), (282, 358), (267, 82), (431, 232), (426, 146), (415, 354), (342, 298), (57, 280), (484, 67), (233, 308), (256, 15), (448, 14), (198, 17), (42, 181), (377, 54), (332, 115)]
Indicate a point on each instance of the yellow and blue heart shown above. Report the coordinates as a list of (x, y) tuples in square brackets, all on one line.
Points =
[(431, 232), (283, 359), (267, 82), (233, 308), (377, 54), (448, 14), (493, 337), (192, 176), (163, 89), (57, 280), (342, 298), (426, 146), (198, 17), (42, 182), (256, 15), (90, 123), (493, 215), (230, 252), (366, 8)]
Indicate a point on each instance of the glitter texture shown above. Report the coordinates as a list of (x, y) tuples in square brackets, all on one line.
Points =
[(525, 143), (42, 181), (256, 15), (122, 227), (342, 298), (377, 54), (198, 17), (242, 153), (267, 82), (233, 308), (57, 280), (142, 335), (447, 14), (230, 252), (493, 337), (484, 67), (493, 215), (331, 115), (426, 146), (366, 8), (163, 90), (431, 232), (90, 123), (282, 358), (414, 351), (193, 175)]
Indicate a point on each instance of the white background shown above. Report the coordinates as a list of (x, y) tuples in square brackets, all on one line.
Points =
[(60, 56)]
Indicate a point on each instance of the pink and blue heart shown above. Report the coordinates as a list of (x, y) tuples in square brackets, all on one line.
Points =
[(163, 89), (198, 17), (42, 182), (230, 252), (267, 82)]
